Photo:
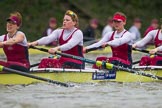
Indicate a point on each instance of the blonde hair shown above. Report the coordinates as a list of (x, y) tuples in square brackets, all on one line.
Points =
[(73, 16), (18, 15)]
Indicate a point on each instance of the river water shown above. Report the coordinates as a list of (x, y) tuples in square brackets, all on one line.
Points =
[(101, 95)]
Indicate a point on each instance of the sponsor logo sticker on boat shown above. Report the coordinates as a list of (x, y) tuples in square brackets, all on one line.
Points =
[(110, 74)]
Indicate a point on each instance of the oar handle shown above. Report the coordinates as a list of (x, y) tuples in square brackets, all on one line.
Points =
[(92, 49), (41, 49), (33, 65), (136, 62), (141, 50), (95, 48)]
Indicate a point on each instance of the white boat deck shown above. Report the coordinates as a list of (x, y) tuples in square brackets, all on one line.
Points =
[(89, 70)]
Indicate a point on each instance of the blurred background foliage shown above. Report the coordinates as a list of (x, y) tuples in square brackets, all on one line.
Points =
[(37, 12)]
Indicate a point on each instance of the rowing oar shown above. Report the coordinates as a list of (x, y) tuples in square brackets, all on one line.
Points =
[(95, 48), (136, 62), (145, 51), (33, 65), (101, 63), (6, 69)]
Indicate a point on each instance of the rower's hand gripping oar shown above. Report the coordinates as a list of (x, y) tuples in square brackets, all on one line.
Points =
[(6, 69), (107, 65)]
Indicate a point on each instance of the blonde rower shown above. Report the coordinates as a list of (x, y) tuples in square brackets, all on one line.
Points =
[(70, 41)]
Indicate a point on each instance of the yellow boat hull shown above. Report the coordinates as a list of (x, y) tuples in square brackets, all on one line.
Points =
[(75, 76)]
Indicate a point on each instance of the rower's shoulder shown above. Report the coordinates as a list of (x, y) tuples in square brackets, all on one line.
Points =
[(79, 31), (20, 32), (3, 35), (154, 31), (128, 33)]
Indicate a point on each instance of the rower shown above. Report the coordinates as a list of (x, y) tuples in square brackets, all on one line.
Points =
[(71, 42), (156, 37), (120, 42), (14, 44)]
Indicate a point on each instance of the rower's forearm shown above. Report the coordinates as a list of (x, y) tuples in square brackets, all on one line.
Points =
[(10, 42)]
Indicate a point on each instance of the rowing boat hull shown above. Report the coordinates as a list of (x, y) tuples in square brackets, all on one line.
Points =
[(75, 76)]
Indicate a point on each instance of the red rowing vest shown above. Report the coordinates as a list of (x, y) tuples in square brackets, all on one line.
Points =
[(17, 53), (123, 52), (76, 50)]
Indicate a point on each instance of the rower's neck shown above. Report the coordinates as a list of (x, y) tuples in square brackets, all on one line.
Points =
[(70, 29), (11, 34)]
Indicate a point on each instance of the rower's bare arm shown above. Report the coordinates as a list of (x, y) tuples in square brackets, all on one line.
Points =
[(17, 39)]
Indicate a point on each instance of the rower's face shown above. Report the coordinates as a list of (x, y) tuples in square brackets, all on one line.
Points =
[(68, 23), (118, 24), (10, 26)]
